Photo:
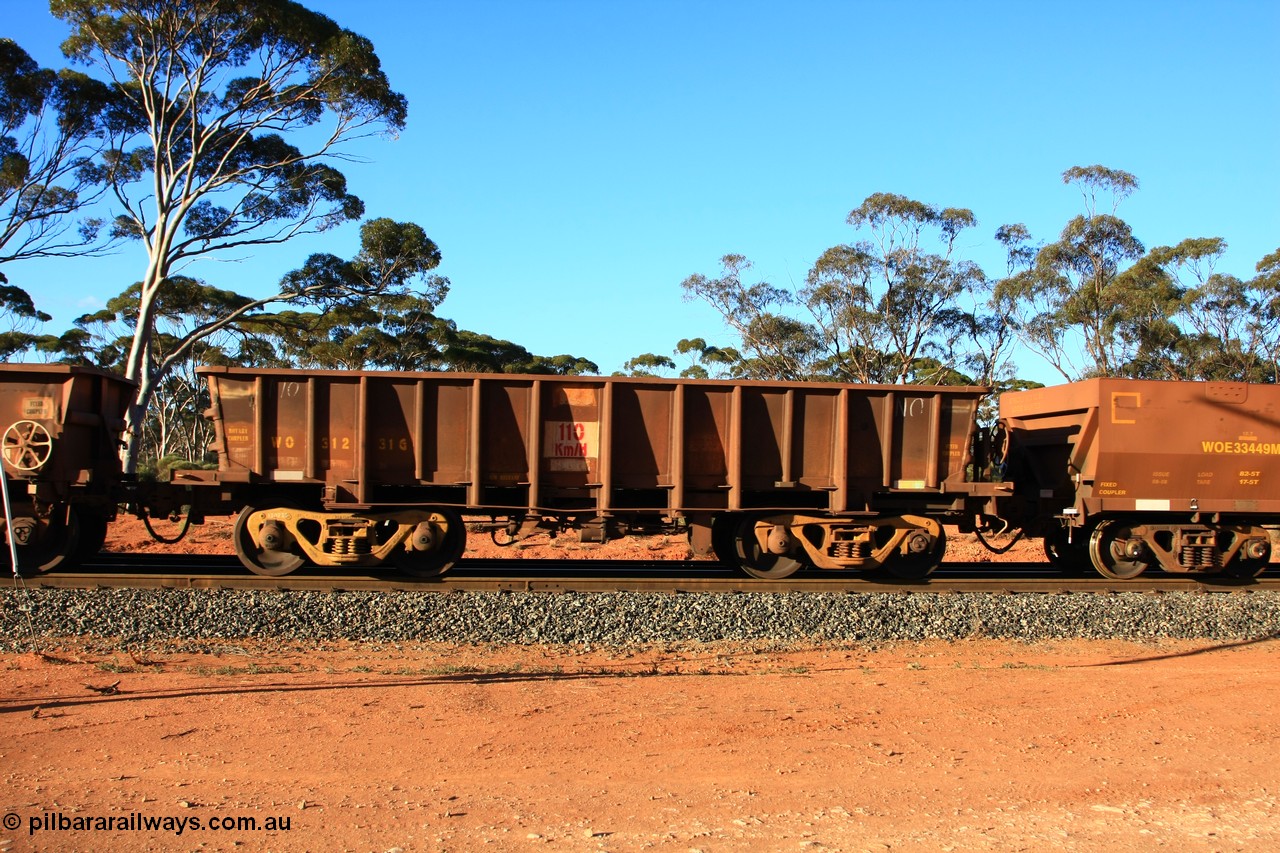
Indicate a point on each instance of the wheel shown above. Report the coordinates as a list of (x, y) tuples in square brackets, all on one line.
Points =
[(918, 563), (724, 538), (1065, 555), (27, 446), (93, 533), (1109, 551), (437, 561), (757, 562), (1244, 567), (45, 544), (261, 561)]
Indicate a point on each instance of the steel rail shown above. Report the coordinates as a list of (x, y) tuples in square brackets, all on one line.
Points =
[(579, 576)]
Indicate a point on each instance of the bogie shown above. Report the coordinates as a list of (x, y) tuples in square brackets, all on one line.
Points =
[(1123, 549), (281, 539), (779, 545)]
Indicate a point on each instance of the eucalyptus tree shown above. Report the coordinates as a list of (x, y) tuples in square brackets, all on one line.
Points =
[(898, 304), (706, 361), (18, 315), (1097, 302), (392, 331), (189, 318), (702, 361), (236, 110), (475, 352), (648, 364), (774, 344), (1224, 329), (52, 128), (895, 305), (1267, 284), (1074, 286)]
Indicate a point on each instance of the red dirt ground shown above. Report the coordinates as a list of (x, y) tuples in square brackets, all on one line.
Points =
[(966, 746), (977, 745)]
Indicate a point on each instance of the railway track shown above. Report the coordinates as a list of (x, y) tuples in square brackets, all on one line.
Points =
[(560, 576)]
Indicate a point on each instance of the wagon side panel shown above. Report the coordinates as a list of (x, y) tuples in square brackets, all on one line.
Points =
[(707, 444)]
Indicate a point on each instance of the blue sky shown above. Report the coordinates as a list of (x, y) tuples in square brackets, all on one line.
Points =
[(576, 161)]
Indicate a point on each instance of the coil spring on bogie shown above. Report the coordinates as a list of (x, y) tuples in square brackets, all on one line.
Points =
[(848, 549), (1199, 550), (1200, 557), (344, 542), (345, 546)]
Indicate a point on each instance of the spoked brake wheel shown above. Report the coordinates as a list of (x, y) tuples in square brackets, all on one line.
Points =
[(26, 446)]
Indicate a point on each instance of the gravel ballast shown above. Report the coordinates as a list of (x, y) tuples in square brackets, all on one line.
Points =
[(134, 617)]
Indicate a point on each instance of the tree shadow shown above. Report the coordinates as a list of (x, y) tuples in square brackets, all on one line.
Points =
[(54, 702), (1220, 647)]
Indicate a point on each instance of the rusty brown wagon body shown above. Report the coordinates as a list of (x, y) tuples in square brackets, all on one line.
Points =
[(367, 468), (61, 428), (1184, 475)]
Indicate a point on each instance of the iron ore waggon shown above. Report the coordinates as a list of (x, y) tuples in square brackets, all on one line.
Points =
[(1133, 474), (366, 469), (61, 457)]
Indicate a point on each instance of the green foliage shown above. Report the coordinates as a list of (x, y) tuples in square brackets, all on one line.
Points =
[(702, 361), (1098, 303), (17, 302), (895, 306), (205, 156), (1074, 283), (774, 345), (1093, 180), (158, 470), (52, 126), (478, 353), (648, 364), (388, 331), (707, 361)]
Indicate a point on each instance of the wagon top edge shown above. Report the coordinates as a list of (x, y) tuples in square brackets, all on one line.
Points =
[(64, 370), (1092, 393), (523, 378), (1125, 382)]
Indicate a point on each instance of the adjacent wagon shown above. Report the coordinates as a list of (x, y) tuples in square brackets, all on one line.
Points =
[(61, 455), (1130, 474)]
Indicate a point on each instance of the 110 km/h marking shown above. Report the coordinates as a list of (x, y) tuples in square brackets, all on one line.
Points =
[(571, 440)]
